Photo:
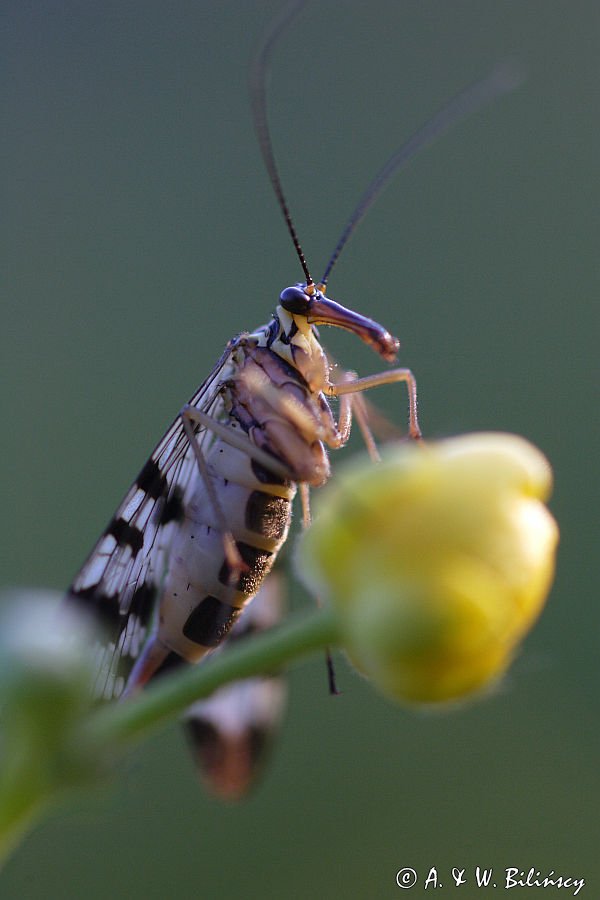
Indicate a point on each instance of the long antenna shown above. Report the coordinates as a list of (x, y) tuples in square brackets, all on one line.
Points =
[(258, 99), (501, 80)]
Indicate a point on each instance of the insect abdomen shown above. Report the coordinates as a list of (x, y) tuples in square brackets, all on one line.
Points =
[(230, 732), (198, 605)]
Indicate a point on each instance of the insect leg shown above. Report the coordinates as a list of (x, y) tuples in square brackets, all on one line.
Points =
[(191, 416), (234, 439), (294, 412), (352, 406), (360, 413), (371, 381), (287, 406), (346, 409)]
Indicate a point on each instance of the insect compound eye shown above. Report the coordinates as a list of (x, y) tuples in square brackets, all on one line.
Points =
[(294, 300)]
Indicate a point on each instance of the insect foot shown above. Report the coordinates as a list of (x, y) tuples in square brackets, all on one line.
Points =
[(438, 561)]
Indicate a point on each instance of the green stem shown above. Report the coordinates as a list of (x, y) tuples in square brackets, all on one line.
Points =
[(21, 804), (124, 722)]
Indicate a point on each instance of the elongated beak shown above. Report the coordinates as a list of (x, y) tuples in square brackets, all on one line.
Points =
[(323, 311)]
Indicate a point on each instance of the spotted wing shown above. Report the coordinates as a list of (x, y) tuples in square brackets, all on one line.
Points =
[(120, 581)]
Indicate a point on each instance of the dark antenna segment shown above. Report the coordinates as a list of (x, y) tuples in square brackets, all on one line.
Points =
[(258, 99), (501, 80)]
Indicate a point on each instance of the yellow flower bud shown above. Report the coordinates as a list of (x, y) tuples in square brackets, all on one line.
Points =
[(438, 560)]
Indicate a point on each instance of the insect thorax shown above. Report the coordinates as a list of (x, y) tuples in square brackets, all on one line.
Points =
[(276, 396), (295, 341)]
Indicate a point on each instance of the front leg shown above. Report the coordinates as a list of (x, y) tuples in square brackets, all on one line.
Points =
[(358, 385), (235, 438)]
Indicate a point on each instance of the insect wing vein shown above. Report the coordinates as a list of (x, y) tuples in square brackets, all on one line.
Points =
[(121, 580)]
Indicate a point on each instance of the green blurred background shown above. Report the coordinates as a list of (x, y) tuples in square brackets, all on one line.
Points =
[(140, 233)]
